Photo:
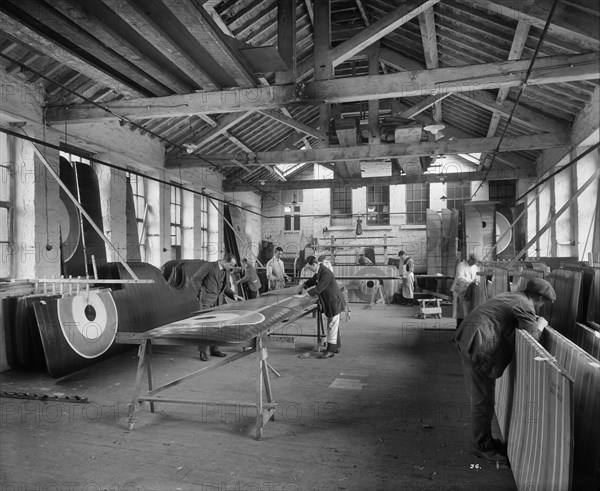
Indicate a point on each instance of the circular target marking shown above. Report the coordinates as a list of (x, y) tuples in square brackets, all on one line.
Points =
[(89, 327), (363, 292), (502, 228)]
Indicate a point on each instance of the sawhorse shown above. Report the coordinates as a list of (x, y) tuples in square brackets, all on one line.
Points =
[(378, 291), (265, 410)]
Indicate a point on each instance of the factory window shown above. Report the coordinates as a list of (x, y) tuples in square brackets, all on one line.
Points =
[(503, 192), (417, 201), (378, 205), (204, 226), (291, 217), (6, 204), (72, 157), (341, 206), (176, 218), (457, 193), (141, 209)]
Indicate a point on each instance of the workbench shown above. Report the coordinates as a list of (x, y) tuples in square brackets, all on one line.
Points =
[(180, 333)]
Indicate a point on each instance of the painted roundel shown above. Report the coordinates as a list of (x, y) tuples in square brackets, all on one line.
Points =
[(88, 325)]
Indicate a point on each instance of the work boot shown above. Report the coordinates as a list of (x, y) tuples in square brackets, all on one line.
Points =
[(491, 455), (500, 446)]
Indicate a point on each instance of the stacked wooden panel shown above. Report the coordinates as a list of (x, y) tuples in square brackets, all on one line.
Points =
[(534, 406), (585, 371), (587, 339), (492, 281), (562, 314), (593, 313), (522, 277), (434, 242)]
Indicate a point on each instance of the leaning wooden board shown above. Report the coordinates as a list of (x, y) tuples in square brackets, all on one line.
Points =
[(563, 311), (434, 242), (588, 339), (585, 371), (534, 406)]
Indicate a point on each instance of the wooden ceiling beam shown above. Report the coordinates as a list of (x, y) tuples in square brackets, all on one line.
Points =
[(113, 40), (425, 104), (492, 175), (580, 28), (224, 124), (471, 78), (208, 34), (387, 151), (524, 115), (516, 49), (286, 41), (429, 40), (143, 24), (292, 123), (41, 44), (373, 33)]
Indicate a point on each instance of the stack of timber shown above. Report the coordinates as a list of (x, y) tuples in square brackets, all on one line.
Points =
[(585, 371), (534, 406)]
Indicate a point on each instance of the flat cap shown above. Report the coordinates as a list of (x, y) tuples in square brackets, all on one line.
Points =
[(541, 287)]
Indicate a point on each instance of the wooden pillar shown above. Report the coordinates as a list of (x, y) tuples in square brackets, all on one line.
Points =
[(374, 133), (323, 66), (286, 40)]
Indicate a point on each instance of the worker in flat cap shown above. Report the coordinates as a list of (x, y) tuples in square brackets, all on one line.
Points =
[(486, 342), (465, 280)]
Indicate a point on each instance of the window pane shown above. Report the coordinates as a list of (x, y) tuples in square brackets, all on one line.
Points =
[(287, 222)]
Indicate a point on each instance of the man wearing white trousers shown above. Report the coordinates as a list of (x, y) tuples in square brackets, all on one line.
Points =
[(324, 285)]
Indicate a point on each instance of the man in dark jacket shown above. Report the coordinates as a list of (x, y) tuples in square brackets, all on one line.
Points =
[(211, 282), (486, 342), (332, 302)]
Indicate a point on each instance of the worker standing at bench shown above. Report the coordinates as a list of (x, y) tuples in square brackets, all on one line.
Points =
[(486, 343), (212, 282), (332, 302)]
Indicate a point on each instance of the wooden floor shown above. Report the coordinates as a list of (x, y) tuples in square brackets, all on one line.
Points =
[(388, 412)]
